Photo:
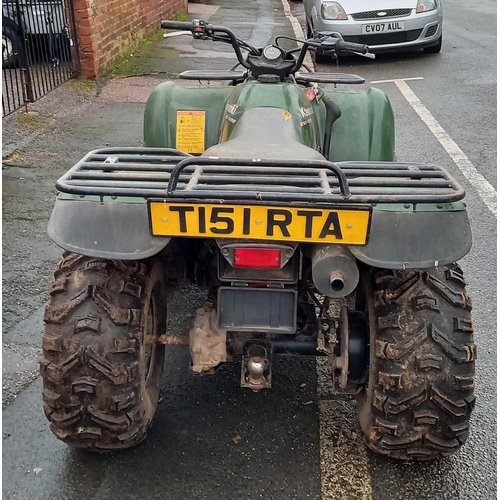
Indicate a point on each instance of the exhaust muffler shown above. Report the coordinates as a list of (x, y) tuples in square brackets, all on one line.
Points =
[(334, 270)]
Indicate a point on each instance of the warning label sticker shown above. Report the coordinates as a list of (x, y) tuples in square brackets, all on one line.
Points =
[(190, 136)]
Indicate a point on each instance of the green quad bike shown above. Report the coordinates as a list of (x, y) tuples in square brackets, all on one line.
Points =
[(282, 201)]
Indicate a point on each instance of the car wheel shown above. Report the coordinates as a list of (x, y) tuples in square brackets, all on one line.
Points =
[(11, 47), (435, 49)]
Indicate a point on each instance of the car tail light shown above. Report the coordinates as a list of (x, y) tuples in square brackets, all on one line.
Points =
[(257, 258)]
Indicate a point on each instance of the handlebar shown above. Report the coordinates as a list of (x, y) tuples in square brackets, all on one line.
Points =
[(343, 46), (177, 25), (328, 43), (201, 29), (338, 45)]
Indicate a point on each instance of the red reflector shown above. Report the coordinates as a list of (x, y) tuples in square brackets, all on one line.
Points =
[(261, 258), (311, 95)]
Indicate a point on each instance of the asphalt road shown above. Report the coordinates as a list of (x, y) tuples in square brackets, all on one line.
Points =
[(296, 442)]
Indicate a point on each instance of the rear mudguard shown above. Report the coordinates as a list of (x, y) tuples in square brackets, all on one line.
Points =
[(107, 228), (416, 237), (412, 238)]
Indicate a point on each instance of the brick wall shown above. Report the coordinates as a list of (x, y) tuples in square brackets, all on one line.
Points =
[(107, 27)]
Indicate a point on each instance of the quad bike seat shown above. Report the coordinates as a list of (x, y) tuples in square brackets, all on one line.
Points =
[(264, 133)]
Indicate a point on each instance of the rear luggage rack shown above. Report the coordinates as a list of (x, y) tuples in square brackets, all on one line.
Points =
[(169, 173)]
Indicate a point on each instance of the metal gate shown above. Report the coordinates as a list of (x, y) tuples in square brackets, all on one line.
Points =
[(39, 49)]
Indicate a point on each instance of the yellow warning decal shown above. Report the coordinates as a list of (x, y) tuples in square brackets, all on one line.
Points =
[(190, 136)]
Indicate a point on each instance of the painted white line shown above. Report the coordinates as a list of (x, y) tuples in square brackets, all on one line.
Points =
[(485, 190), (392, 81), (297, 30)]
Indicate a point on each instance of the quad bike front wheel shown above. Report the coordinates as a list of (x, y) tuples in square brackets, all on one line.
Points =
[(420, 393), (102, 366)]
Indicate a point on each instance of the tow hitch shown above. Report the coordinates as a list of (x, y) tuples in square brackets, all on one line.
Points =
[(256, 368)]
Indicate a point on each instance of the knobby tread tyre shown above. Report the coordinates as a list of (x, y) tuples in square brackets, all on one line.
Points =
[(101, 368), (420, 392)]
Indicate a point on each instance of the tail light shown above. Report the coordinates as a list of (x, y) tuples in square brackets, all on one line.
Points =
[(257, 258)]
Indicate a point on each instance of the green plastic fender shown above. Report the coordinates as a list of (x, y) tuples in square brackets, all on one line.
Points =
[(160, 115), (365, 131), (223, 106)]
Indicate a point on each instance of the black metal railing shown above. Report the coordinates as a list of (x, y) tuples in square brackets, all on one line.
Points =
[(171, 174), (39, 49)]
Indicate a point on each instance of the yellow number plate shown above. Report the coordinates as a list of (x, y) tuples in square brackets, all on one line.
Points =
[(310, 225)]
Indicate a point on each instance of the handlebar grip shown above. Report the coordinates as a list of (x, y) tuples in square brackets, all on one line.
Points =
[(177, 25), (352, 47)]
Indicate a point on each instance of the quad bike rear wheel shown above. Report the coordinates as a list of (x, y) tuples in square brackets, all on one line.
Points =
[(420, 393), (102, 366)]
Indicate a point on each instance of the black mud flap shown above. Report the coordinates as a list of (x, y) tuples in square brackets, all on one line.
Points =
[(107, 230), (415, 240)]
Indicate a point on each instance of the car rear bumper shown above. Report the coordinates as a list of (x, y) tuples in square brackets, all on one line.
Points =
[(421, 30)]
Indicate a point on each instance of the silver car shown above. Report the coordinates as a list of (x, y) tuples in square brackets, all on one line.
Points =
[(384, 25)]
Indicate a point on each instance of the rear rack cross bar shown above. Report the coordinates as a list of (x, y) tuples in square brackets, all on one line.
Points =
[(237, 162)]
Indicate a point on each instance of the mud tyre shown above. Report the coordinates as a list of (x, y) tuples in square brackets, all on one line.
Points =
[(102, 367), (420, 392)]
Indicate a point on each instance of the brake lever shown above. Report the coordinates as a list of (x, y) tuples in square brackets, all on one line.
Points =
[(369, 55), (176, 33)]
